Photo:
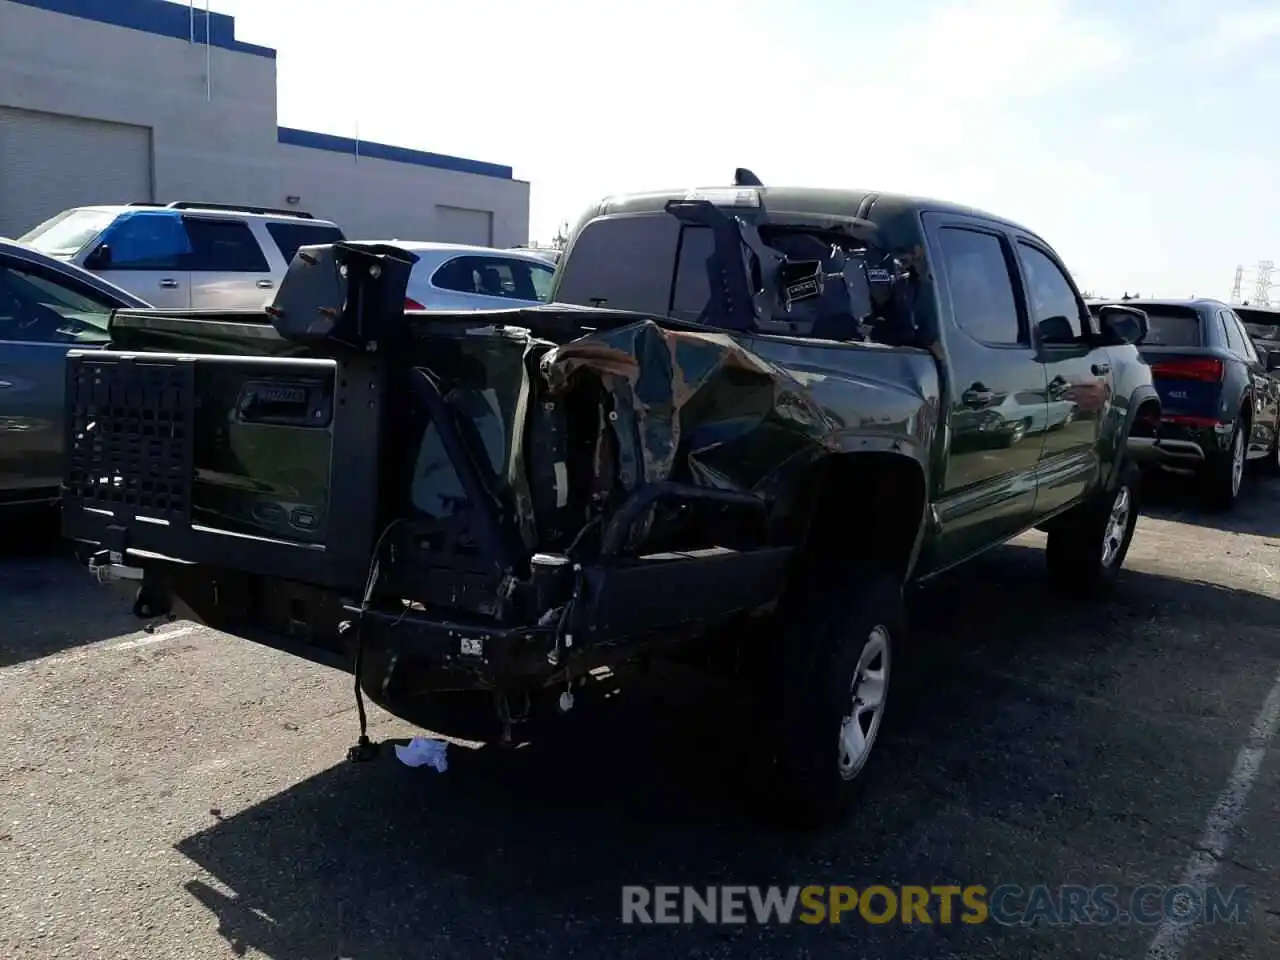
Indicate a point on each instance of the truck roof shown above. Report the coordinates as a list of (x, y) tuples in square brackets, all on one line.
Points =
[(812, 201), (1160, 302)]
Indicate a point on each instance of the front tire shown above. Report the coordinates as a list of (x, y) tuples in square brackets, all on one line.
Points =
[(835, 665), (1087, 546)]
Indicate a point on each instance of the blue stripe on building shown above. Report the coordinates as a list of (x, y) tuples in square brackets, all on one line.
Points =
[(384, 151), (159, 17)]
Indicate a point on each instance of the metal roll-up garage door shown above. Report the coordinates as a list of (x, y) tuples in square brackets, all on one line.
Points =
[(460, 225), (51, 161)]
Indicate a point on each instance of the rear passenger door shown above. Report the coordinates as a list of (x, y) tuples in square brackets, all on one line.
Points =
[(994, 392), (229, 271), (1078, 387)]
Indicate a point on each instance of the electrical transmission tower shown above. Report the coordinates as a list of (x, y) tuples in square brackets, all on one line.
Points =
[(1263, 272), (1262, 283)]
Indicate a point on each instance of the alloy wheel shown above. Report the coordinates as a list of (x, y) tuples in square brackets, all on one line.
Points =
[(1117, 525), (860, 727)]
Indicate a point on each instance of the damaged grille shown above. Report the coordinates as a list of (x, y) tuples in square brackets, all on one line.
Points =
[(129, 435)]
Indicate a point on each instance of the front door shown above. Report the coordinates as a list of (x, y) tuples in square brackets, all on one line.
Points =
[(42, 315), (146, 253), (994, 391), (1078, 388)]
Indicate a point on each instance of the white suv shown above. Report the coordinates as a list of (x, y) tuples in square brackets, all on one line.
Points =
[(453, 276), (184, 254)]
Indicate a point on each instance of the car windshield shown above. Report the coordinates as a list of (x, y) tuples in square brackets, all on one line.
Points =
[(67, 234)]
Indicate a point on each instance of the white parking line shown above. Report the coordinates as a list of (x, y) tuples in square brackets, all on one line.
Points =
[(1203, 863), (93, 649)]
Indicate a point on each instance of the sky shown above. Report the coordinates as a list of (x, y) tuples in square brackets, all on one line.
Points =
[(1138, 137)]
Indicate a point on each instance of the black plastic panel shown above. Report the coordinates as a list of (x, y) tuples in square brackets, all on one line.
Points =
[(129, 434)]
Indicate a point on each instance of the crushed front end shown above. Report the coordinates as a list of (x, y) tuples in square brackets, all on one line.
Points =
[(498, 501)]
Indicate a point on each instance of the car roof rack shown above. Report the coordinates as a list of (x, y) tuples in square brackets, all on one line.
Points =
[(238, 208), (229, 207)]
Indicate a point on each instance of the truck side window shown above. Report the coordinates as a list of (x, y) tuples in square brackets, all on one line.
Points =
[(1055, 310), (981, 287)]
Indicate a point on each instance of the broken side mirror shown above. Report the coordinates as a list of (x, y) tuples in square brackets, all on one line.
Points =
[(1121, 325)]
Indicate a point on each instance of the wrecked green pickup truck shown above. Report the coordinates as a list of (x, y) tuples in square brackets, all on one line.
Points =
[(750, 418)]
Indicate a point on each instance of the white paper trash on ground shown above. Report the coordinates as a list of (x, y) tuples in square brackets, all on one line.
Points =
[(424, 752)]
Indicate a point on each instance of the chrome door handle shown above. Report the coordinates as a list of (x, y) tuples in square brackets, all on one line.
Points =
[(1100, 368), (265, 284), (168, 283), (5, 384)]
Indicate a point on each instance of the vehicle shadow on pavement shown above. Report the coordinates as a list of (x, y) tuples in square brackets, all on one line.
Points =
[(48, 600), (1256, 512), (1041, 743)]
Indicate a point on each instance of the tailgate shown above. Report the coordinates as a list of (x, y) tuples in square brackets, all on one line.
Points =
[(1187, 379), (211, 459)]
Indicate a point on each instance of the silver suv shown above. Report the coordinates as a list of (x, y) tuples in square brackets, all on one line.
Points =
[(184, 254)]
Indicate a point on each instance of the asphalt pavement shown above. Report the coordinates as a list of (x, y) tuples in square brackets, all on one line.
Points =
[(186, 794)]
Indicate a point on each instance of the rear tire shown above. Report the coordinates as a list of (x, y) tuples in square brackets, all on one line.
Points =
[(1223, 475), (835, 672), (1087, 546)]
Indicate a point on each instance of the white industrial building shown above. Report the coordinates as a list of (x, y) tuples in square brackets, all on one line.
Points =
[(105, 101)]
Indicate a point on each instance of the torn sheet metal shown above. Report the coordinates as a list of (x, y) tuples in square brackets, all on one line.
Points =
[(695, 407)]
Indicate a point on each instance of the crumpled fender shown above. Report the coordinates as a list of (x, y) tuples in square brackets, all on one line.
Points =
[(698, 406), (749, 413)]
